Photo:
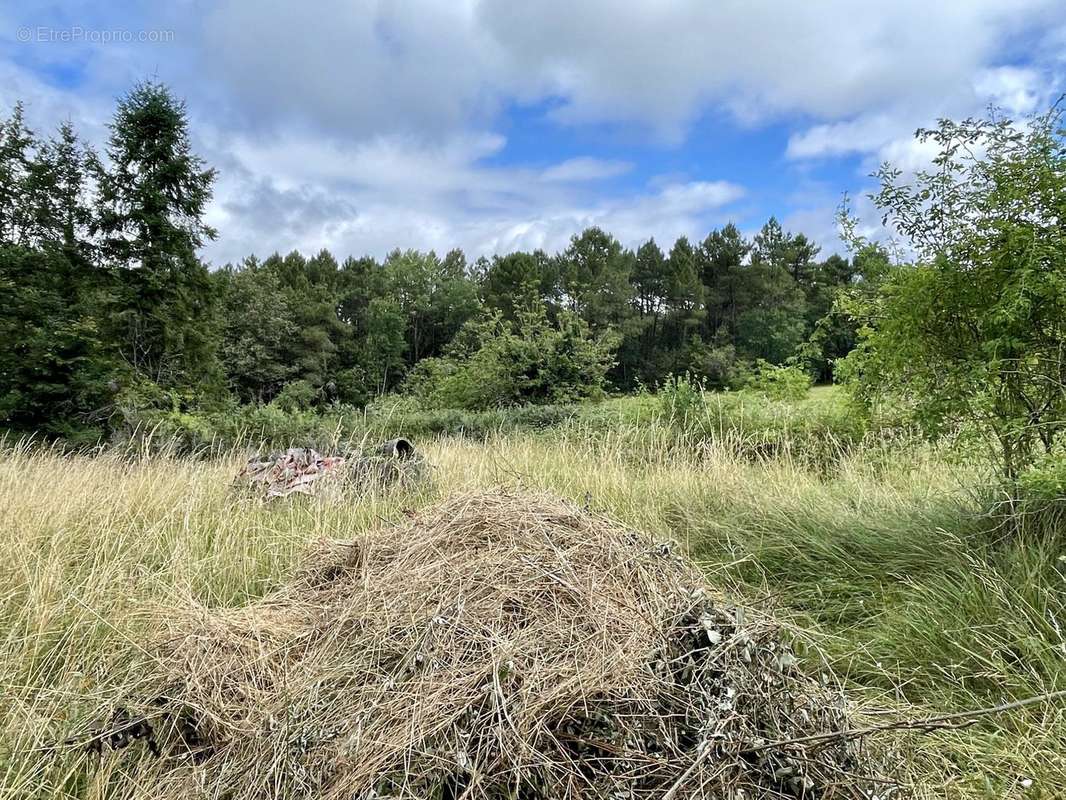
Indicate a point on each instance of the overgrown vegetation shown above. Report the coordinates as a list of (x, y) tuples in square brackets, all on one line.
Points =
[(881, 557), (118, 327), (973, 335), (113, 316), (495, 363), (909, 524)]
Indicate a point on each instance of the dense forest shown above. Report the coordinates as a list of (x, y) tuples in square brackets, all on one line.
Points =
[(106, 300)]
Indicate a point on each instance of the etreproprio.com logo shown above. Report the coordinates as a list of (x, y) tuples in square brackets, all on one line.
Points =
[(79, 35)]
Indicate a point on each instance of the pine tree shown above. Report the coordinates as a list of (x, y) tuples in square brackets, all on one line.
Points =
[(16, 145), (55, 375), (722, 272), (596, 274), (515, 282), (153, 194), (58, 208)]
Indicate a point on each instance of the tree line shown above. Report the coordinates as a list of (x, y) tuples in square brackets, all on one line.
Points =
[(106, 299)]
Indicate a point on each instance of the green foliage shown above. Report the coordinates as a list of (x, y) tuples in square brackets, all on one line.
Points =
[(111, 297), (772, 323), (717, 364), (403, 414), (595, 278), (1045, 479), (151, 198), (296, 396), (771, 332), (115, 319), (307, 286), (495, 363), (974, 334), (434, 296), (778, 382), (518, 281), (680, 398), (257, 327), (55, 370), (57, 204), (157, 420), (16, 166)]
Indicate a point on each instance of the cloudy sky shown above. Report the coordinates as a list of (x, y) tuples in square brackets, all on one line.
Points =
[(496, 125)]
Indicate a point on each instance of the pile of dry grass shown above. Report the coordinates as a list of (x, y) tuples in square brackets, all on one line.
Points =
[(497, 645)]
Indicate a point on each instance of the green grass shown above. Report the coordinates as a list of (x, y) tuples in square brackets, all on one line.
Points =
[(822, 420), (884, 564)]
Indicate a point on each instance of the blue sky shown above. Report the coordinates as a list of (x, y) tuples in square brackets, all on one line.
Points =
[(492, 125)]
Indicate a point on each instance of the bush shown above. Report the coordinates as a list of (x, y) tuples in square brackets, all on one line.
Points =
[(778, 382), (493, 363), (680, 398), (1046, 479), (974, 333), (295, 396)]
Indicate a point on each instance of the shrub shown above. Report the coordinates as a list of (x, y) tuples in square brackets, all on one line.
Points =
[(495, 363), (778, 382), (974, 333), (680, 398), (1046, 479), (295, 396)]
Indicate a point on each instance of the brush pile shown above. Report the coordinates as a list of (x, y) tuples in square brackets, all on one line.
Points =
[(303, 470), (494, 646), (296, 471)]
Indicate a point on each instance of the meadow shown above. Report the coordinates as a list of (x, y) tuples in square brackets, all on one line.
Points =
[(882, 555)]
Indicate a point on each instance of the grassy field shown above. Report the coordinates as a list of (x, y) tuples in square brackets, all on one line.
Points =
[(882, 559)]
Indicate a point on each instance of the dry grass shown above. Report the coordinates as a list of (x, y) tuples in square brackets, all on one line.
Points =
[(875, 564), (496, 645)]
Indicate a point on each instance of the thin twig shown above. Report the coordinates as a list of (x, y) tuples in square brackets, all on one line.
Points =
[(956, 720), (959, 719)]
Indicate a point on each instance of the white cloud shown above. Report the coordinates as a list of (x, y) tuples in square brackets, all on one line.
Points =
[(662, 63), (889, 132), (865, 80), (1016, 90), (860, 135), (372, 67), (586, 169), (46, 107), (374, 123), (374, 226), (395, 192), (359, 68), (389, 163)]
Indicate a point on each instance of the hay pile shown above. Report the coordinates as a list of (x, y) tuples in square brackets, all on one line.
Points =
[(501, 646)]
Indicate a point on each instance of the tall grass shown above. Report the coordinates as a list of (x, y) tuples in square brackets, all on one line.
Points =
[(884, 565)]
